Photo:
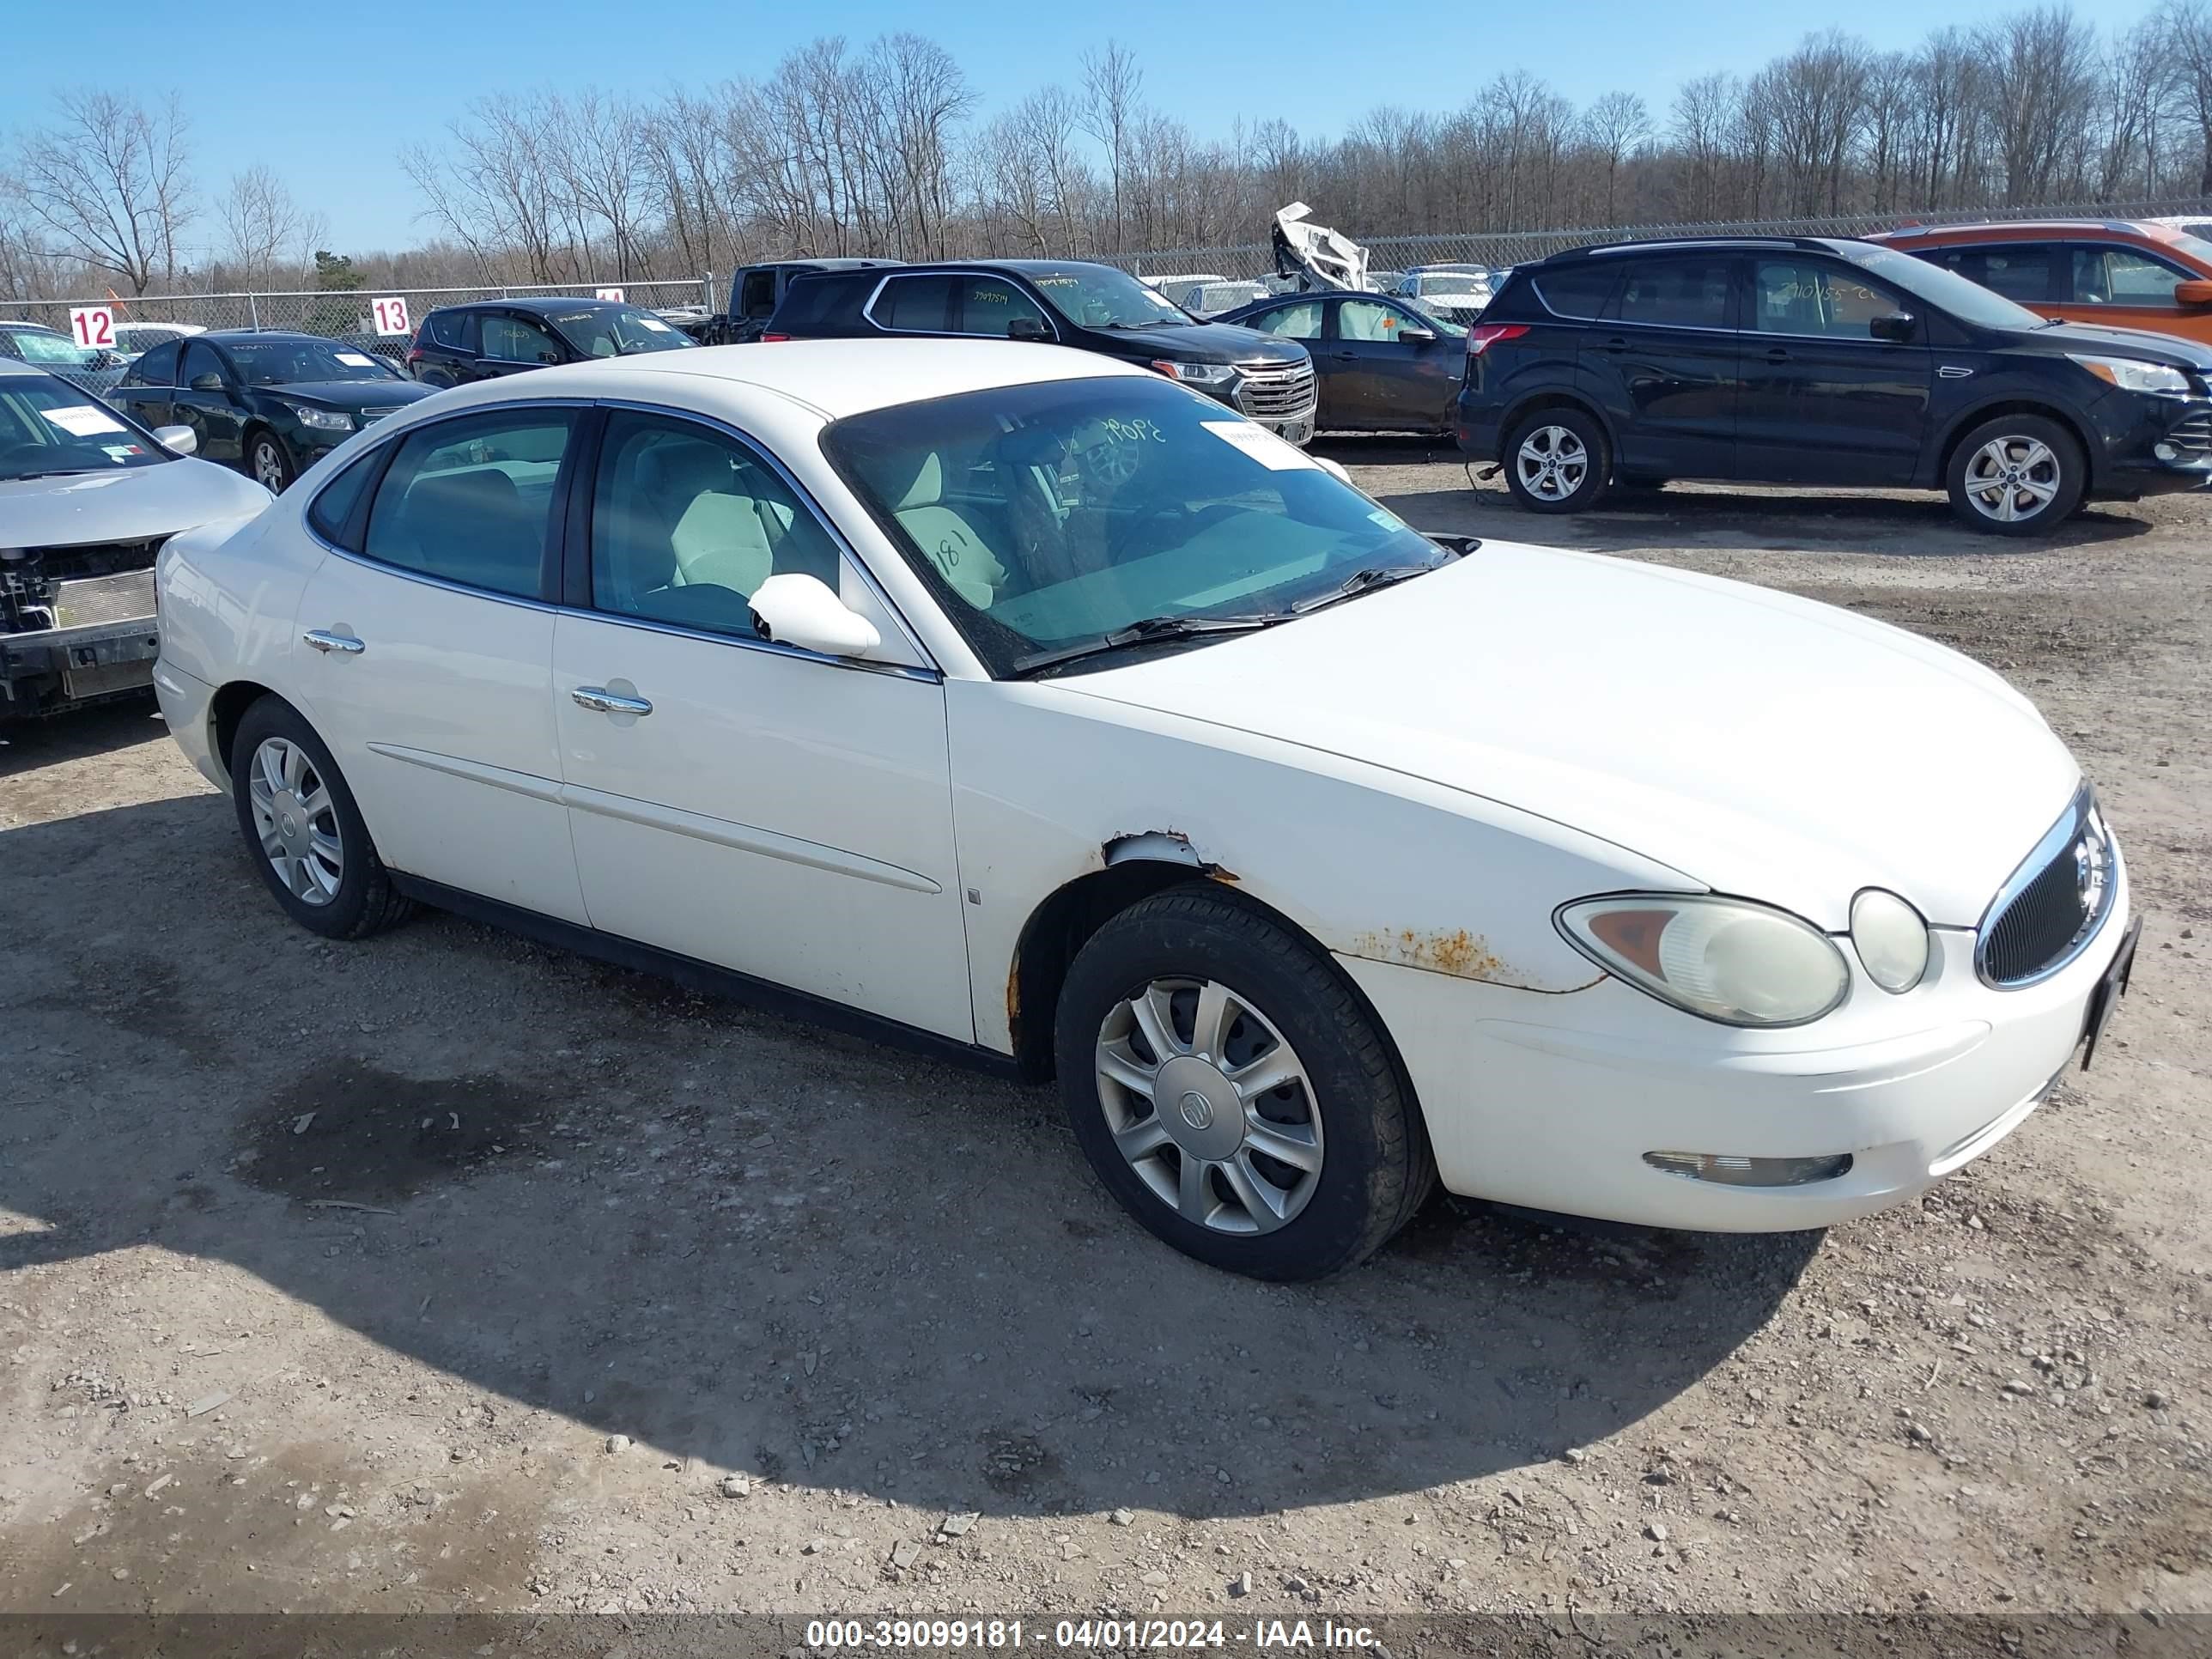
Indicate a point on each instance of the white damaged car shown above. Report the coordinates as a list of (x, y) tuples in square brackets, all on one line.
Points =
[(1008, 700)]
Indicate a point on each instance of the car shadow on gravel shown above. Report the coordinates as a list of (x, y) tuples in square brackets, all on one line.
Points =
[(734, 1238), (26, 745)]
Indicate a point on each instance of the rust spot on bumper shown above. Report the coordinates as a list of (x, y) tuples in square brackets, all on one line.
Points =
[(1455, 951)]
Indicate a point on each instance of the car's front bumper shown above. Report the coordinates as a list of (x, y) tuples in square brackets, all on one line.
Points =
[(1550, 1102), (104, 646), (2153, 446)]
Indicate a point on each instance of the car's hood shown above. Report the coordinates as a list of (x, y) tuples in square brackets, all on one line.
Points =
[(1213, 342), (1760, 744), (353, 396), (131, 504), (2167, 348)]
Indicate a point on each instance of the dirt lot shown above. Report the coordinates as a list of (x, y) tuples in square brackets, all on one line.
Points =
[(447, 1273)]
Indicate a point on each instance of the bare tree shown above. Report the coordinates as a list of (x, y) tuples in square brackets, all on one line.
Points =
[(112, 180), (2043, 87), (1615, 124), (1113, 87), (264, 230), (1703, 116)]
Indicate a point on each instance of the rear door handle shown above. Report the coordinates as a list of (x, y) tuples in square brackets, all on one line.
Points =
[(1777, 354), (1615, 344), (1343, 356), (601, 701), (325, 641)]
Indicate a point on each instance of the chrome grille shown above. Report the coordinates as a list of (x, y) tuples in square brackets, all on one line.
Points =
[(2052, 906), (1271, 393), (2193, 438)]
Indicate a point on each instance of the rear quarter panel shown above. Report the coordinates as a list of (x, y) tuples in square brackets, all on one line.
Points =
[(229, 593)]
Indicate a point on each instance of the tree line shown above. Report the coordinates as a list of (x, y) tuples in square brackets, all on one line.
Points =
[(885, 149)]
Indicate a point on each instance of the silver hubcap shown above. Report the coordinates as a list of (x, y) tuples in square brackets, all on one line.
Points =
[(295, 817), (2011, 479), (268, 466), (1210, 1105), (1552, 463)]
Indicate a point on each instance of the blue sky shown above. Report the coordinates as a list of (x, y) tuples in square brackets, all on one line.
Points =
[(346, 85)]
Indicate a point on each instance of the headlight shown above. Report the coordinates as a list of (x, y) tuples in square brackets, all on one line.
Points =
[(325, 419), (1720, 958), (2131, 375), (1891, 940), (1207, 374)]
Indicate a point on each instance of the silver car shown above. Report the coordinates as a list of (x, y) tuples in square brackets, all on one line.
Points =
[(86, 497)]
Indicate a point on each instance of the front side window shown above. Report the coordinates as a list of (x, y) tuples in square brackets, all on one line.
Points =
[(1046, 517), (49, 428), (468, 501), (1798, 296), (157, 367), (1299, 322), (304, 362), (687, 523), (913, 303), (508, 338), (2122, 277), (1676, 293), (1372, 321), (993, 306), (1099, 296), (203, 370)]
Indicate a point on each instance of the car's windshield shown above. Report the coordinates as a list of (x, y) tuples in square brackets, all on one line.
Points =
[(1968, 300), (1449, 281), (1438, 320), (49, 426), (616, 331), (1099, 296), (2191, 239), (44, 346), (1048, 516), (303, 363)]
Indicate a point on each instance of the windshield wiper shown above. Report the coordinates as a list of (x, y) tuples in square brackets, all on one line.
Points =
[(1362, 582), (1155, 322), (58, 472), (1145, 632)]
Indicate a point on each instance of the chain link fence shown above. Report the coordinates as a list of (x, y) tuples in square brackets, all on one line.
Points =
[(1255, 261), (362, 317)]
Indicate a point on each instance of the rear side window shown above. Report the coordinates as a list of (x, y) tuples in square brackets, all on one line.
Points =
[(332, 510), (813, 303), (914, 302), (1676, 293), (469, 500), (1301, 321), (1579, 291), (157, 367), (449, 329), (2019, 270), (756, 296)]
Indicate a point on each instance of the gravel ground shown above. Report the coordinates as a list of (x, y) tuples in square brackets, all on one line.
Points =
[(446, 1273)]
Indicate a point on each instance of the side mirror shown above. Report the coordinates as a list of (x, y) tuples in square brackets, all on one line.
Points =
[(1896, 326), (178, 440), (2195, 292), (1418, 336), (1334, 468), (1028, 328), (205, 383), (801, 610)]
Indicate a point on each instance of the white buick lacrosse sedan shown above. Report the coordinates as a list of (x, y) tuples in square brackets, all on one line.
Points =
[(1014, 701)]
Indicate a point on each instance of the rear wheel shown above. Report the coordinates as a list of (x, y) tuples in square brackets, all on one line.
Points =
[(303, 830), (1557, 461), (2018, 474), (1232, 1093)]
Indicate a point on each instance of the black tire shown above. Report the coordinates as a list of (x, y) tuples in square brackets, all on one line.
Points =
[(364, 901), (268, 462), (1376, 1169), (1574, 485), (2046, 456)]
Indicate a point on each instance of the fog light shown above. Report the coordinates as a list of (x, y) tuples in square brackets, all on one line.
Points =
[(2166, 451), (1732, 1171)]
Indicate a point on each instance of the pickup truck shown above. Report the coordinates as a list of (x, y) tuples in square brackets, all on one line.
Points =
[(755, 293)]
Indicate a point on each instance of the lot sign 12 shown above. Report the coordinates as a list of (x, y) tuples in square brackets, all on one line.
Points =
[(94, 327)]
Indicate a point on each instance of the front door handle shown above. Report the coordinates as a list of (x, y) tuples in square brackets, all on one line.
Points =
[(1615, 344), (601, 701), (1344, 356), (325, 641), (1777, 354)]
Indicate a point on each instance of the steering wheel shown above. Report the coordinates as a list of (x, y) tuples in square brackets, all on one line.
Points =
[(15, 454)]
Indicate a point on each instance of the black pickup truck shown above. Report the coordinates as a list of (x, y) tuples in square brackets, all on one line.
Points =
[(755, 293)]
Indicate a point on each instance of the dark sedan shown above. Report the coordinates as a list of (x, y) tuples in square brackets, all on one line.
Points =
[(483, 339), (270, 404), (1384, 365)]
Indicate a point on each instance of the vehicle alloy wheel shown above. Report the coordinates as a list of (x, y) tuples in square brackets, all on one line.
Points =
[(1552, 463), (1210, 1105), (272, 467), (2013, 477), (297, 821), (2018, 474)]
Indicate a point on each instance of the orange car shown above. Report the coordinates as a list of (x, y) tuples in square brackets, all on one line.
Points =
[(2118, 273)]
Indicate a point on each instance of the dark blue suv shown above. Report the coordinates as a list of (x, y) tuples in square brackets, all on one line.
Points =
[(1814, 361)]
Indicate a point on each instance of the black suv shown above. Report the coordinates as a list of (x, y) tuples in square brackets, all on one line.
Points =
[(1812, 361), (457, 345), (1071, 302)]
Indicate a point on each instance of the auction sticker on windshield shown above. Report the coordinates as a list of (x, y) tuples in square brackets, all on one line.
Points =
[(1261, 444), (357, 359), (83, 421)]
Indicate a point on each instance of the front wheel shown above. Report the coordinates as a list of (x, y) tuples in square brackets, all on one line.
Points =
[(270, 462), (1556, 461), (1233, 1094), (2019, 475)]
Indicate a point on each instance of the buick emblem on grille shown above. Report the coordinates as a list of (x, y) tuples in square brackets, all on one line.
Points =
[(2089, 871)]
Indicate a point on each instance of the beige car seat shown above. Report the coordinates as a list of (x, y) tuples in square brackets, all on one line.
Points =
[(951, 544)]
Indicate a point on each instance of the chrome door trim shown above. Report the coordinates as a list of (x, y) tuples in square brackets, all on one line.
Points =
[(868, 308), (497, 777), (744, 837)]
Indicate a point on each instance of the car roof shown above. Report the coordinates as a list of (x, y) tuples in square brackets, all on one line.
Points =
[(1839, 244), (16, 368), (19, 322), (2010, 230), (288, 336), (838, 378)]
